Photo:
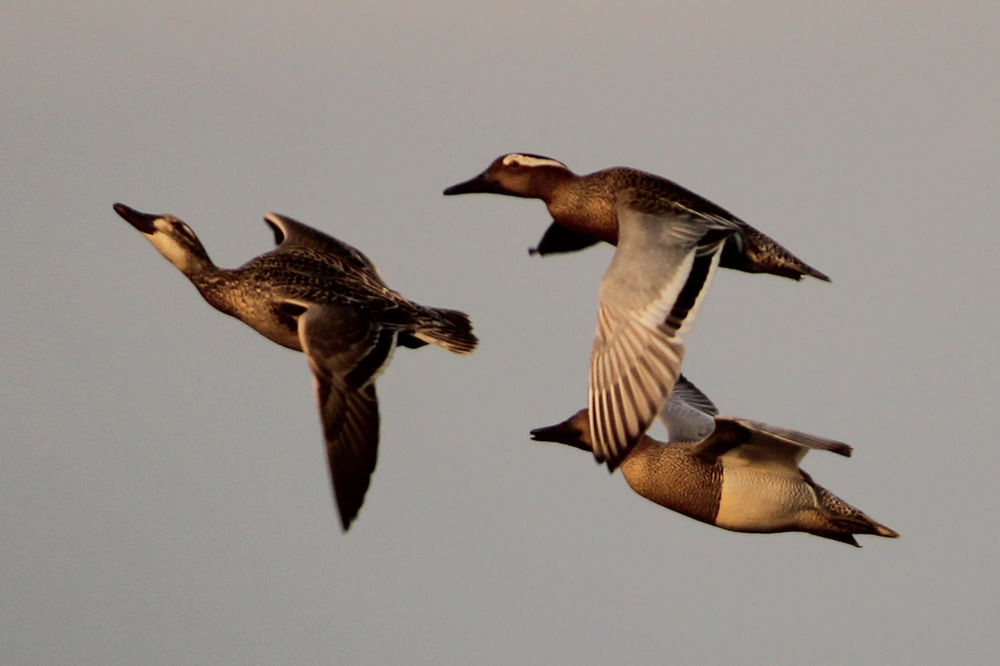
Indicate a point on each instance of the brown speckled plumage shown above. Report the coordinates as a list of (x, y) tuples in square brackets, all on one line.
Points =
[(695, 485), (256, 290), (320, 296)]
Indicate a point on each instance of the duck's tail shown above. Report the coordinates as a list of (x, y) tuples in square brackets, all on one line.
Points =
[(449, 329), (848, 520), (762, 254)]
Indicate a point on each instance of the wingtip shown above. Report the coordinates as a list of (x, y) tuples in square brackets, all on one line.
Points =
[(346, 517), (845, 450)]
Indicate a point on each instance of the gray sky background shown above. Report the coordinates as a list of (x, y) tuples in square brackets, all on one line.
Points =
[(163, 492)]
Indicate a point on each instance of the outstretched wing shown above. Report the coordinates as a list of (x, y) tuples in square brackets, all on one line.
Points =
[(289, 233), (346, 352), (763, 445), (649, 296), (688, 413)]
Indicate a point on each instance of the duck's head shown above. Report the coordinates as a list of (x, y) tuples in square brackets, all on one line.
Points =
[(171, 236), (574, 431), (515, 174)]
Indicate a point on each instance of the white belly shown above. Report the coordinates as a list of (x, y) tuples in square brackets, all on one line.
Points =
[(756, 500)]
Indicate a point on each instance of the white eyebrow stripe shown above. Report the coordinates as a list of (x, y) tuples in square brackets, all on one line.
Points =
[(531, 160)]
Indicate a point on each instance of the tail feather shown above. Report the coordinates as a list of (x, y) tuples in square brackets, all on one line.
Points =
[(762, 254), (849, 519), (449, 329), (862, 524), (882, 530)]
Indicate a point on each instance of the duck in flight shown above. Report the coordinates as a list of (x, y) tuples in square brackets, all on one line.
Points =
[(320, 296), (584, 212), (733, 473), (668, 243)]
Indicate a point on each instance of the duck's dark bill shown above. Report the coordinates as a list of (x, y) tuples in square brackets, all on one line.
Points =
[(479, 184), (141, 221)]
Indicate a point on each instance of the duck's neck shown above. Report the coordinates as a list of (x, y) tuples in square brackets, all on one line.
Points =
[(197, 268), (576, 204), (187, 255), (544, 181), (216, 286), (212, 282)]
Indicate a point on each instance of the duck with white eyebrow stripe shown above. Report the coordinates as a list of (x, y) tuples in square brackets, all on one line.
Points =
[(669, 243), (583, 209)]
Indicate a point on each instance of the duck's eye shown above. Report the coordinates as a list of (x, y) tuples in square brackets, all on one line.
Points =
[(514, 164)]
